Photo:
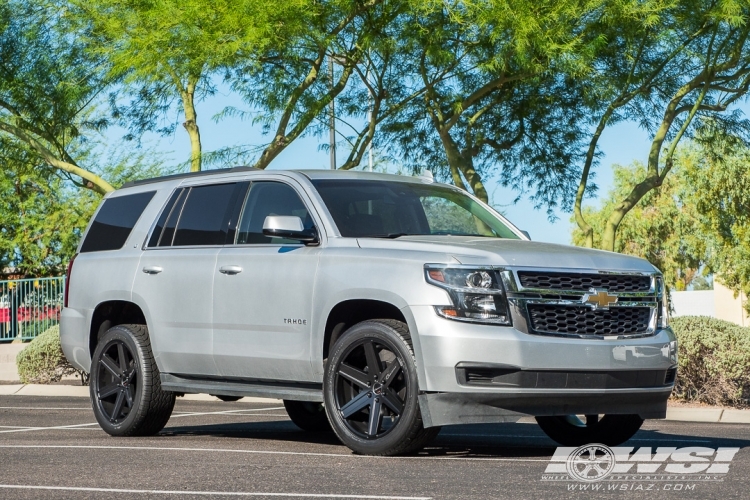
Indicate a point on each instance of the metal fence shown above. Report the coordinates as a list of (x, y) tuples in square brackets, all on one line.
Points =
[(29, 306)]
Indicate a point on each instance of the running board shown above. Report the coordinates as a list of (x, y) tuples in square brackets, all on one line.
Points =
[(256, 388)]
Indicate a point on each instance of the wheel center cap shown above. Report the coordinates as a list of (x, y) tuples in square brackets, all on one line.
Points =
[(377, 389)]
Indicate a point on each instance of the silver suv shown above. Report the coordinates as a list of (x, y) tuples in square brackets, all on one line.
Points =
[(379, 306)]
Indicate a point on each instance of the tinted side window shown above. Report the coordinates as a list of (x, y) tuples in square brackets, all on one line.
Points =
[(165, 240), (114, 222), (264, 199), (204, 218), (156, 234)]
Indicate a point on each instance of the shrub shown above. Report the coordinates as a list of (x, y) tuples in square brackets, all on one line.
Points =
[(714, 361), (42, 361)]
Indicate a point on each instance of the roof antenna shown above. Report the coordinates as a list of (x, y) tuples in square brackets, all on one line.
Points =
[(427, 176)]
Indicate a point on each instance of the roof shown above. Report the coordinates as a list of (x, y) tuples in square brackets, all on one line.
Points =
[(310, 174)]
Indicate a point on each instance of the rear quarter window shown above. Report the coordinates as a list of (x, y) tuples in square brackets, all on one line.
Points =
[(114, 221)]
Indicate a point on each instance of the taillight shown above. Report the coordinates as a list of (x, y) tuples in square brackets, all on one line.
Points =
[(67, 281)]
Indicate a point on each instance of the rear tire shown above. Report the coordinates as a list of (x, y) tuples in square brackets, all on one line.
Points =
[(371, 389), (227, 399), (308, 416), (570, 430), (125, 388)]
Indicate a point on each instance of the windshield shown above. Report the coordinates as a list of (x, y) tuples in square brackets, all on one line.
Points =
[(386, 209)]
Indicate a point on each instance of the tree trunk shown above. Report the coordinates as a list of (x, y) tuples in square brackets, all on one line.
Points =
[(191, 125), (462, 162)]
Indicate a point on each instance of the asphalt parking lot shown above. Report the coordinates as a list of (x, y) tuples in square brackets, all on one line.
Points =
[(51, 447)]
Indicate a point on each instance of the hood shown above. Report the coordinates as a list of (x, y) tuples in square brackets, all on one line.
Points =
[(516, 253)]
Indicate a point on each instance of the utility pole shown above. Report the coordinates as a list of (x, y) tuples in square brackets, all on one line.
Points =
[(332, 124)]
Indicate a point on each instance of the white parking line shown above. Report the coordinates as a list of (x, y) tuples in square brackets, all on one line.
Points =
[(267, 452), (226, 412), (27, 429), (207, 493), (40, 408)]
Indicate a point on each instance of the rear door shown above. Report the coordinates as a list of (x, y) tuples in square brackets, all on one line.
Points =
[(175, 276), (263, 292)]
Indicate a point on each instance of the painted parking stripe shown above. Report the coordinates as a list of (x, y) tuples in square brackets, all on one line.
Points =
[(206, 493), (226, 412), (28, 429), (267, 452)]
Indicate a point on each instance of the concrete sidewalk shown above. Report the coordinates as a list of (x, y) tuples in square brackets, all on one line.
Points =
[(674, 412)]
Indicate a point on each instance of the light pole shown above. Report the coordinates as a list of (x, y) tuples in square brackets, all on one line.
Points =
[(332, 123)]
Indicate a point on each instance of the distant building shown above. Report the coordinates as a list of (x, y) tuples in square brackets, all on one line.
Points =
[(720, 303)]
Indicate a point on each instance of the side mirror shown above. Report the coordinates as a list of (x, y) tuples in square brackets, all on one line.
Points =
[(289, 227), (526, 233)]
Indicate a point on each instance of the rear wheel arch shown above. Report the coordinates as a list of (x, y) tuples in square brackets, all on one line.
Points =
[(112, 313)]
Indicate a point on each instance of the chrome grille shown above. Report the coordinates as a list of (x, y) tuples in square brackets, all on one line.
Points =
[(613, 283), (581, 320)]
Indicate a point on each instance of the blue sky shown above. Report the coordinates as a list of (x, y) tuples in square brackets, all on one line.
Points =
[(620, 144)]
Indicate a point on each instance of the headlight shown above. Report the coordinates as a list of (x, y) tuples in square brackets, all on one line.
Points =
[(662, 315), (477, 294)]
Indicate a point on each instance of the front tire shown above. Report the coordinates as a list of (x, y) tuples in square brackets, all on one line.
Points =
[(371, 389), (125, 389), (571, 430)]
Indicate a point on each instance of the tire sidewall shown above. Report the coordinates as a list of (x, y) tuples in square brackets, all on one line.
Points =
[(123, 334), (389, 337)]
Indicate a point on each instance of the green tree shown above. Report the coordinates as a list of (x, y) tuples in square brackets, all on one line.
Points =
[(663, 227), (719, 187), (49, 87), (684, 66), (169, 52)]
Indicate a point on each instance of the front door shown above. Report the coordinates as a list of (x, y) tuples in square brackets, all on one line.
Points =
[(263, 293)]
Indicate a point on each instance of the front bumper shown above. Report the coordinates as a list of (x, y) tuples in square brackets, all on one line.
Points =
[(536, 374)]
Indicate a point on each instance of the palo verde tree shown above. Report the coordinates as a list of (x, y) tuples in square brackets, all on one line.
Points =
[(670, 71), (49, 85), (290, 86), (167, 54), (492, 96)]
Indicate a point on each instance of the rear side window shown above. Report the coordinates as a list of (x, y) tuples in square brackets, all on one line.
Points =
[(114, 222), (171, 206), (204, 219)]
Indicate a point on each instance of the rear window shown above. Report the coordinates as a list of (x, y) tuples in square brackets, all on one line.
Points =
[(114, 222), (204, 218)]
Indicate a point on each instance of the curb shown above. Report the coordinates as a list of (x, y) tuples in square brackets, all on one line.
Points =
[(674, 413)]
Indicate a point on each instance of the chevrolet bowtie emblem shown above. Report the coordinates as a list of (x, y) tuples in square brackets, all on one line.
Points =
[(599, 298)]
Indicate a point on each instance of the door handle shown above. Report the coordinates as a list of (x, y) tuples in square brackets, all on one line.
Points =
[(230, 270), (152, 269)]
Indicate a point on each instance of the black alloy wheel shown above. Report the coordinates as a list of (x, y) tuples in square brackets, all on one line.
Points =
[(370, 389), (116, 381), (125, 385)]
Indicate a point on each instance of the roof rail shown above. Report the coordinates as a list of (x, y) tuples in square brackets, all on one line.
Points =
[(188, 175)]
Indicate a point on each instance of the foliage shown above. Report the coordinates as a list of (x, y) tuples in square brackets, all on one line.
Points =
[(676, 73), (42, 360), (719, 187), (49, 84), (714, 361), (168, 51), (662, 227)]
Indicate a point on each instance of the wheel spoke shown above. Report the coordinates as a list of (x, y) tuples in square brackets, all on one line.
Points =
[(356, 404), (392, 401), (128, 397), (373, 362), (121, 355), (373, 424), (108, 391), (118, 406), (110, 365), (353, 375), (390, 372)]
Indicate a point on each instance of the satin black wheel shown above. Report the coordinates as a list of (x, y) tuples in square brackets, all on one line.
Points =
[(578, 430), (126, 392), (371, 390), (116, 381)]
